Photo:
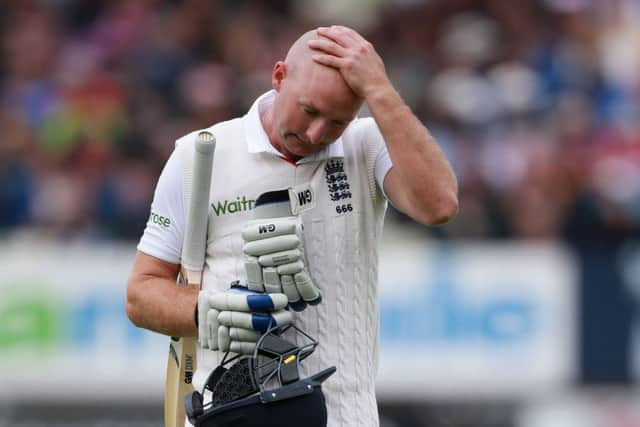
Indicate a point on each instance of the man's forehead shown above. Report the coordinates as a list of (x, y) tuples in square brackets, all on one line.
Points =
[(322, 79)]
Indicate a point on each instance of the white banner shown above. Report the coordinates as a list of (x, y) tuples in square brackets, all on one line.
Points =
[(475, 320), (63, 330)]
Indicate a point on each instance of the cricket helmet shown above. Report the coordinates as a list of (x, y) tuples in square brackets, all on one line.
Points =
[(264, 389)]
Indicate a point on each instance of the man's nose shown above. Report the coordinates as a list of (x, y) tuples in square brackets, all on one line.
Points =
[(316, 131)]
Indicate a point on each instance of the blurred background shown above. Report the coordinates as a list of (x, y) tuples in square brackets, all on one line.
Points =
[(522, 312)]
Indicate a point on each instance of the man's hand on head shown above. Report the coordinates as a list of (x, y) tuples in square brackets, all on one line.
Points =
[(355, 57)]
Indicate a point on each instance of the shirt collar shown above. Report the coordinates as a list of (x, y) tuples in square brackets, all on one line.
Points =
[(258, 141)]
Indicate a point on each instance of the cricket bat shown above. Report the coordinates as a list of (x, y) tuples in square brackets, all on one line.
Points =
[(182, 351)]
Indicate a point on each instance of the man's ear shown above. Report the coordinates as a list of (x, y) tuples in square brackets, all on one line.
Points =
[(278, 75)]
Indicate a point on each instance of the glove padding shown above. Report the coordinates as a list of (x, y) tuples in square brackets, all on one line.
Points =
[(274, 260), (235, 319)]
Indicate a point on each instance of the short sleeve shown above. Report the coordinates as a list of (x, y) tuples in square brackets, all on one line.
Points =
[(383, 166), (378, 159), (163, 234)]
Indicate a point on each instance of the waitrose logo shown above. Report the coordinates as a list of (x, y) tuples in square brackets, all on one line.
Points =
[(160, 220), (225, 207)]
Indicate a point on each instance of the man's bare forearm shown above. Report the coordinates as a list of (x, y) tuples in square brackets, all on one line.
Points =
[(156, 302), (422, 167)]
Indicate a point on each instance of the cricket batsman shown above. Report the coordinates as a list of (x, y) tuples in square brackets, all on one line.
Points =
[(315, 266)]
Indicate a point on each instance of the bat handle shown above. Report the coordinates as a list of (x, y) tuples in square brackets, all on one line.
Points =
[(193, 277)]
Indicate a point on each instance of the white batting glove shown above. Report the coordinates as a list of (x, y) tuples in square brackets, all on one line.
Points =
[(235, 319), (274, 260)]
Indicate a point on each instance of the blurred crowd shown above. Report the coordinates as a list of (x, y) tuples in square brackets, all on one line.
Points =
[(536, 103)]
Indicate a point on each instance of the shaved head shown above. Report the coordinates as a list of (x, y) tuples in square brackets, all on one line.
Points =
[(299, 61), (299, 54)]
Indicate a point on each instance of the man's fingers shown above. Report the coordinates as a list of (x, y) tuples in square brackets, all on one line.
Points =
[(241, 347), (291, 291), (271, 280), (247, 302), (254, 273), (339, 34), (223, 338), (267, 302), (213, 325), (203, 310), (306, 288), (271, 245), (291, 268), (280, 258), (328, 60), (282, 318), (328, 33), (241, 334), (237, 340), (237, 319), (327, 46), (256, 321)]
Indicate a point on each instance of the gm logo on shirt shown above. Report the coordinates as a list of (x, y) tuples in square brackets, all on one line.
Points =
[(301, 198), (304, 197)]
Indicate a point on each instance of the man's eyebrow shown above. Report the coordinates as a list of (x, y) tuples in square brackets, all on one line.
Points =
[(307, 104), (310, 105)]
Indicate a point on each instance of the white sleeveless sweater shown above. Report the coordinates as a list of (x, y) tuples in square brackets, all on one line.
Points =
[(341, 234)]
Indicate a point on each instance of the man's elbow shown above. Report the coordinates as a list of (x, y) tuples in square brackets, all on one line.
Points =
[(132, 304), (440, 211)]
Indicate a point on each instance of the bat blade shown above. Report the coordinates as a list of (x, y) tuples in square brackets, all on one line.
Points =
[(181, 363)]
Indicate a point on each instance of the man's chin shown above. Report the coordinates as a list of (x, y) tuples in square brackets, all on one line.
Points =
[(298, 147), (301, 148), (301, 152)]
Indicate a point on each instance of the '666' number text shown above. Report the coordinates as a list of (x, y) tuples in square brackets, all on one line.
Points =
[(344, 208)]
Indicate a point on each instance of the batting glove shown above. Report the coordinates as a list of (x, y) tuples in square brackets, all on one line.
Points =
[(274, 260), (235, 319)]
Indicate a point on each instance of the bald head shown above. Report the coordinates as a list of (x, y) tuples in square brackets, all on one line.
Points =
[(299, 54), (299, 61)]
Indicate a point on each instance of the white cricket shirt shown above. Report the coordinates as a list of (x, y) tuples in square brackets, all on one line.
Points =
[(342, 224)]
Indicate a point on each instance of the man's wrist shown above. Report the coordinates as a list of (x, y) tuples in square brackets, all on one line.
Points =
[(379, 91), (386, 104)]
